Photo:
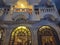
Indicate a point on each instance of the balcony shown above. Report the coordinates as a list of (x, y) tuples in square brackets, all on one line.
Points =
[(22, 11), (43, 10)]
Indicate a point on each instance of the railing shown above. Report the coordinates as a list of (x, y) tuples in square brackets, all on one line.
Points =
[(22, 11), (5, 11), (47, 9), (29, 11), (44, 10)]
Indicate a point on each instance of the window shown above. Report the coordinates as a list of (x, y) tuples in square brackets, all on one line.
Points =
[(47, 36), (21, 36)]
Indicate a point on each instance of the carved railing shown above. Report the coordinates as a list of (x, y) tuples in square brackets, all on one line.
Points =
[(47, 9)]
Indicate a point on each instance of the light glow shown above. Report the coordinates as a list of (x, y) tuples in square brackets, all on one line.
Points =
[(43, 27), (19, 29), (22, 4)]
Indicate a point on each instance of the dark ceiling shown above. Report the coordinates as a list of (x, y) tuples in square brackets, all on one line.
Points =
[(57, 2)]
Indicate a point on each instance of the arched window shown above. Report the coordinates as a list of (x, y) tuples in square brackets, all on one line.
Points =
[(21, 36), (47, 36), (1, 36)]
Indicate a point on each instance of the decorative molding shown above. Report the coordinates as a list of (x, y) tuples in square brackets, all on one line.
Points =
[(17, 22)]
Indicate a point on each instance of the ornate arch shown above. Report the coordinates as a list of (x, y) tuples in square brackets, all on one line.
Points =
[(21, 36), (19, 17), (47, 36), (50, 17)]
